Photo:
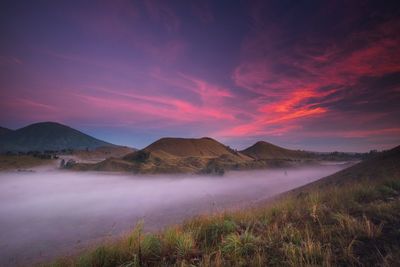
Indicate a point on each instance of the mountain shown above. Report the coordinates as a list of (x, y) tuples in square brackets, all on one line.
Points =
[(267, 151), (177, 155), (47, 136), (4, 131), (205, 148), (190, 147), (202, 155)]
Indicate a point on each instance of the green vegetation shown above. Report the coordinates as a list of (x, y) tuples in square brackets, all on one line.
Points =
[(330, 223)]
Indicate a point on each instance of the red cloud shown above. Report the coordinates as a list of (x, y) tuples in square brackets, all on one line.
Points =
[(161, 105), (286, 97)]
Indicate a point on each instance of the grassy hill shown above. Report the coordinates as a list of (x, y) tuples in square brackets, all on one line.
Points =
[(265, 151), (206, 155), (47, 136), (351, 218), (190, 147), (272, 154), (176, 155)]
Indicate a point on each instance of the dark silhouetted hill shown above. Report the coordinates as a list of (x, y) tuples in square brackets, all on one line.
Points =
[(4, 131), (47, 136)]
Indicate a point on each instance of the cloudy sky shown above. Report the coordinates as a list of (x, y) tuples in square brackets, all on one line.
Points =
[(315, 75)]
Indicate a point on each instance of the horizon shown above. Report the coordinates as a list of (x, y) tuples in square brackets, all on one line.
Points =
[(131, 72), (200, 137)]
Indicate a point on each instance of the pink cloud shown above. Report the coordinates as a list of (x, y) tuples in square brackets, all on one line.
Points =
[(287, 98), (209, 105)]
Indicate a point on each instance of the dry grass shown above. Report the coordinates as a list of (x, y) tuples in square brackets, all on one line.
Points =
[(329, 227), (15, 162), (351, 219)]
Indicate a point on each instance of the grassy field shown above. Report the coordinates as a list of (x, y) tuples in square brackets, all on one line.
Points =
[(353, 221), (15, 162)]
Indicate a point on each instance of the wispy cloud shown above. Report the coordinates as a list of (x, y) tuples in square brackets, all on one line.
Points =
[(242, 71)]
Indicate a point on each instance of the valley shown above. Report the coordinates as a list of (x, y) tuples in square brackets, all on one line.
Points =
[(52, 212)]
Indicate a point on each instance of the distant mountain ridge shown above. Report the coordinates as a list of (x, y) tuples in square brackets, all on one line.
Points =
[(166, 155), (44, 136)]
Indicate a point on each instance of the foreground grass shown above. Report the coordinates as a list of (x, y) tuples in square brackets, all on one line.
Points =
[(356, 224)]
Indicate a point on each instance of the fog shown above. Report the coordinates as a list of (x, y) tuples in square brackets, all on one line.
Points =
[(48, 213)]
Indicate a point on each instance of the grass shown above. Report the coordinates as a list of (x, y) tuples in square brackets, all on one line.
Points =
[(351, 223), (13, 162)]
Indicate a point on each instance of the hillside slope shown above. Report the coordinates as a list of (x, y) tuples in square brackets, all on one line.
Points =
[(264, 151), (206, 156), (190, 147), (47, 136), (382, 165), (177, 155), (4, 131), (351, 218)]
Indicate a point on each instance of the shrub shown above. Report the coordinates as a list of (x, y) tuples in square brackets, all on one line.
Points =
[(151, 247), (134, 239), (104, 256), (394, 184), (387, 191), (210, 232), (240, 245), (365, 194), (177, 243), (184, 245)]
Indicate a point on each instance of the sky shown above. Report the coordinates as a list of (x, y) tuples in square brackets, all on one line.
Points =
[(313, 75)]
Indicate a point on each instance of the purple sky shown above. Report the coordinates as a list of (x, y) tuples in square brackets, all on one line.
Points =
[(315, 75)]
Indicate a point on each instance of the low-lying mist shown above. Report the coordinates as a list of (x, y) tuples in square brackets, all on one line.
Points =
[(46, 213)]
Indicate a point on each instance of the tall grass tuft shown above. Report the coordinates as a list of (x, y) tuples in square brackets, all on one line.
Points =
[(240, 245), (151, 247)]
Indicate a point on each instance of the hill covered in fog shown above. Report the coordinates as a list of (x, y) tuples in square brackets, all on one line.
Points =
[(205, 155)]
